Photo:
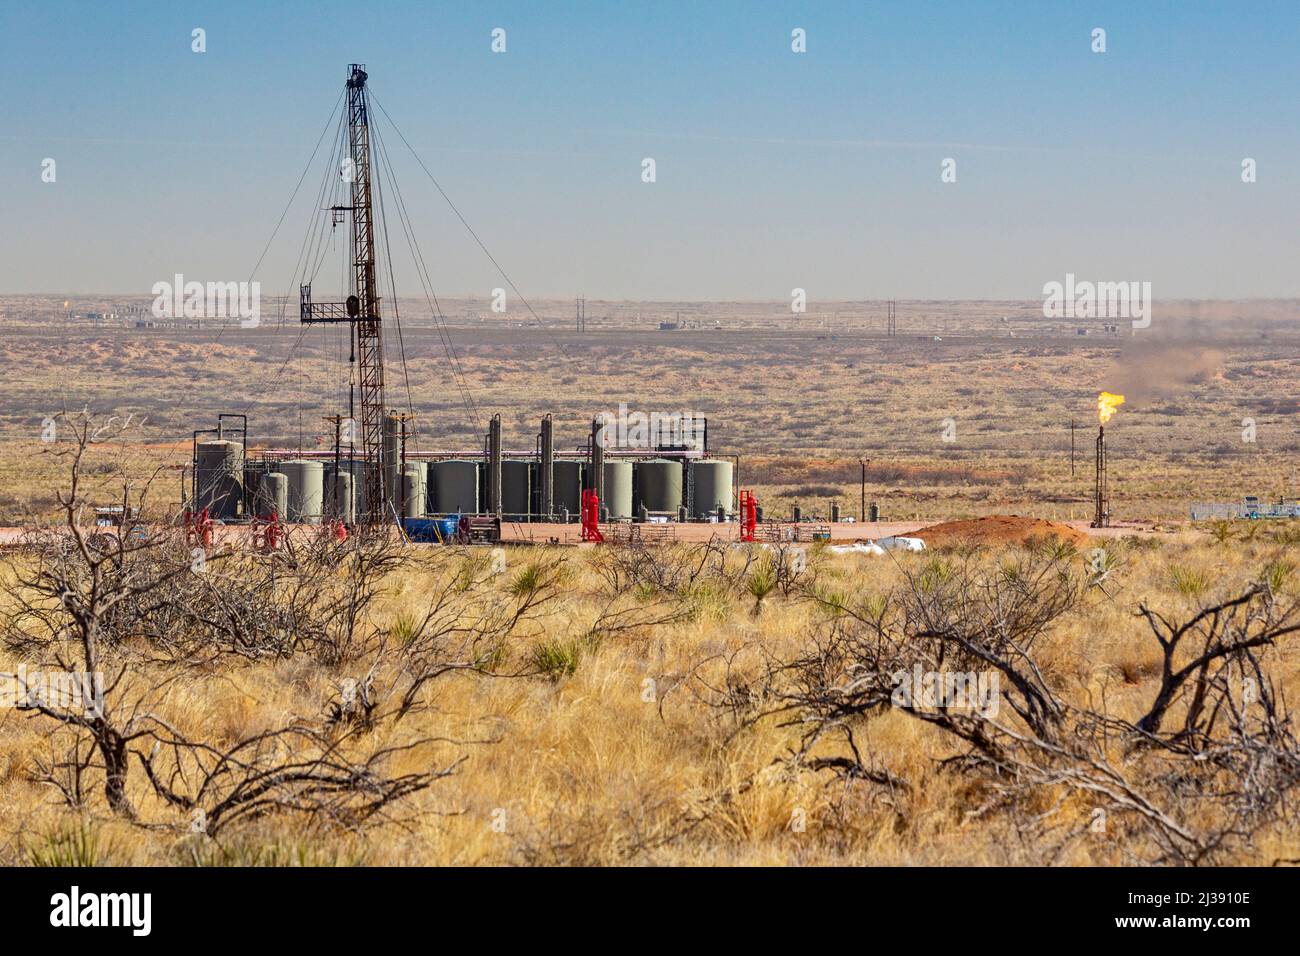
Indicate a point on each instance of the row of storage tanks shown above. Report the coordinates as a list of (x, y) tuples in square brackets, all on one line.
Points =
[(305, 490)]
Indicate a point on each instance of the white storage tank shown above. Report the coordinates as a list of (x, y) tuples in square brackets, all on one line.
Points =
[(272, 496), (339, 495), (306, 490), (357, 469), (415, 488)]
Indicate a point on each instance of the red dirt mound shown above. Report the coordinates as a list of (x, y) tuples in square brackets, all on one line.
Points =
[(996, 529)]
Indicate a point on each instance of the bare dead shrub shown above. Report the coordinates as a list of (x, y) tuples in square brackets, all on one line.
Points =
[(1212, 760), (99, 605)]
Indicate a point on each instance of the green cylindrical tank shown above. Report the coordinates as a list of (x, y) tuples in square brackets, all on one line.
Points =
[(306, 490), (414, 488), (618, 489), (516, 490), (710, 487), (218, 478), (453, 487), (568, 486), (659, 485), (272, 495)]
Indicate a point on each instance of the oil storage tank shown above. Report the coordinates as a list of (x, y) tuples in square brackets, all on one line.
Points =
[(568, 486), (618, 489), (453, 487), (254, 469), (415, 488), (356, 468), (340, 497), (272, 496), (218, 478), (392, 432), (659, 485), (710, 487), (306, 490), (516, 489)]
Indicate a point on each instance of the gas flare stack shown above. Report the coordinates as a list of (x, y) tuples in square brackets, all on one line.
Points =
[(1107, 403)]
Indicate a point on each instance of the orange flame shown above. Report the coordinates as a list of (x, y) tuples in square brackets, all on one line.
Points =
[(1107, 403)]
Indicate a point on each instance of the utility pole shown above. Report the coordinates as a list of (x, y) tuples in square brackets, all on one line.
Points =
[(361, 309), (1072, 427), (340, 512), (862, 514)]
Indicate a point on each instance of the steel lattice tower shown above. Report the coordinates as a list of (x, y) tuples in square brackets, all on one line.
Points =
[(362, 307)]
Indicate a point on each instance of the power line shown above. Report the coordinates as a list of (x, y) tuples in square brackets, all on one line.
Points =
[(306, 253), (392, 282), (510, 282), (275, 232), (426, 282)]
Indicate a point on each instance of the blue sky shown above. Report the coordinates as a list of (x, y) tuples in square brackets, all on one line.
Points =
[(775, 170)]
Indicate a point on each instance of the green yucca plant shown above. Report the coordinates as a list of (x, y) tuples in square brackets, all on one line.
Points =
[(1277, 573), (527, 580), (1222, 531), (762, 579), (403, 627), (279, 852), (1189, 582), (934, 574), (71, 844), (559, 657)]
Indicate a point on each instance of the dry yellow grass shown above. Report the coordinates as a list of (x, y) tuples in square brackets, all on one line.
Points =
[(616, 756)]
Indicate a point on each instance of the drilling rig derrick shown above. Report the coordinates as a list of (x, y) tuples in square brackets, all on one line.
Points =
[(361, 308)]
